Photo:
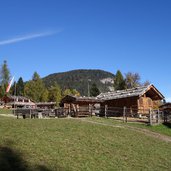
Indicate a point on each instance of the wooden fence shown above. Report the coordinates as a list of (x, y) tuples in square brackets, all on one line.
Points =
[(124, 114)]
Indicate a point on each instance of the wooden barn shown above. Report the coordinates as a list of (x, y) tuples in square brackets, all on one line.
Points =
[(139, 99), (79, 106)]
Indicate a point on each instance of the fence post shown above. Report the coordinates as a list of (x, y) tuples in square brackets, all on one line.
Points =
[(165, 117), (16, 113), (69, 110), (158, 116), (124, 112), (150, 121), (91, 110), (30, 113), (105, 111)]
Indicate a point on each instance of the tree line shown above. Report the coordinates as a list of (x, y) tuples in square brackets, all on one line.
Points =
[(131, 80), (36, 90)]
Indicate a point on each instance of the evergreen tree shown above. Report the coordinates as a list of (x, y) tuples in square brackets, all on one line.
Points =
[(35, 89), (119, 82), (13, 89), (35, 76), (4, 77), (2, 91), (94, 91), (5, 74), (20, 87)]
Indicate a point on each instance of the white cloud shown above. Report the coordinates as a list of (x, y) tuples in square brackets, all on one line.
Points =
[(27, 37)]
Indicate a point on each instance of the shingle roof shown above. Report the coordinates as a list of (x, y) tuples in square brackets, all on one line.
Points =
[(138, 91), (18, 97), (80, 99)]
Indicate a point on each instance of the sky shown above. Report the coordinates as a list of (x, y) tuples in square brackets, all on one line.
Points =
[(50, 36)]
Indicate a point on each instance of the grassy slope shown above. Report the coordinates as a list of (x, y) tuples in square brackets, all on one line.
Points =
[(64, 144), (162, 128)]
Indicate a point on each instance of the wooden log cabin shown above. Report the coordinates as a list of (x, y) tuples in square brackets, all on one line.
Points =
[(79, 106), (137, 100)]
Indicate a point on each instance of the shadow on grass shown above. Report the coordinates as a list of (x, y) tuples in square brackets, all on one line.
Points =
[(167, 124), (12, 160)]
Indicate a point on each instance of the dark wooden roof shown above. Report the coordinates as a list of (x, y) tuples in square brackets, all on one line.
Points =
[(166, 106), (17, 97), (75, 99)]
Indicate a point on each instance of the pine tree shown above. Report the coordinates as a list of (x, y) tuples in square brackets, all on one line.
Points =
[(35, 76), (94, 91), (4, 78), (5, 74), (119, 82), (2, 91), (20, 87), (13, 89)]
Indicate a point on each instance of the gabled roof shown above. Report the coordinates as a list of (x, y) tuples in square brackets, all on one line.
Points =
[(18, 97), (134, 92), (71, 99)]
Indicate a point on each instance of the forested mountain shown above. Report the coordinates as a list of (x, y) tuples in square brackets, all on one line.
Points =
[(78, 79)]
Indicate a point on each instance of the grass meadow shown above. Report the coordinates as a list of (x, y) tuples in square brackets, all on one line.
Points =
[(74, 145)]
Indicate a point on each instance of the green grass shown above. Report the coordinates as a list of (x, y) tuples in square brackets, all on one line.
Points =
[(164, 129), (5, 111), (74, 145)]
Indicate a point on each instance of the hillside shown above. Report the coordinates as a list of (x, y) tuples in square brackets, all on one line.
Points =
[(78, 79)]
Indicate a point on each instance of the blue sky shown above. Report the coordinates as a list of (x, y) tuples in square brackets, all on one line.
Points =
[(50, 36)]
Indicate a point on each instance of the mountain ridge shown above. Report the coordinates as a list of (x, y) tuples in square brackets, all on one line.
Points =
[(79, 79)]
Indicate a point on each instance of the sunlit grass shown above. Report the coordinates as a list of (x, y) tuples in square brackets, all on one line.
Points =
[(164, 129), (70, 144)]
